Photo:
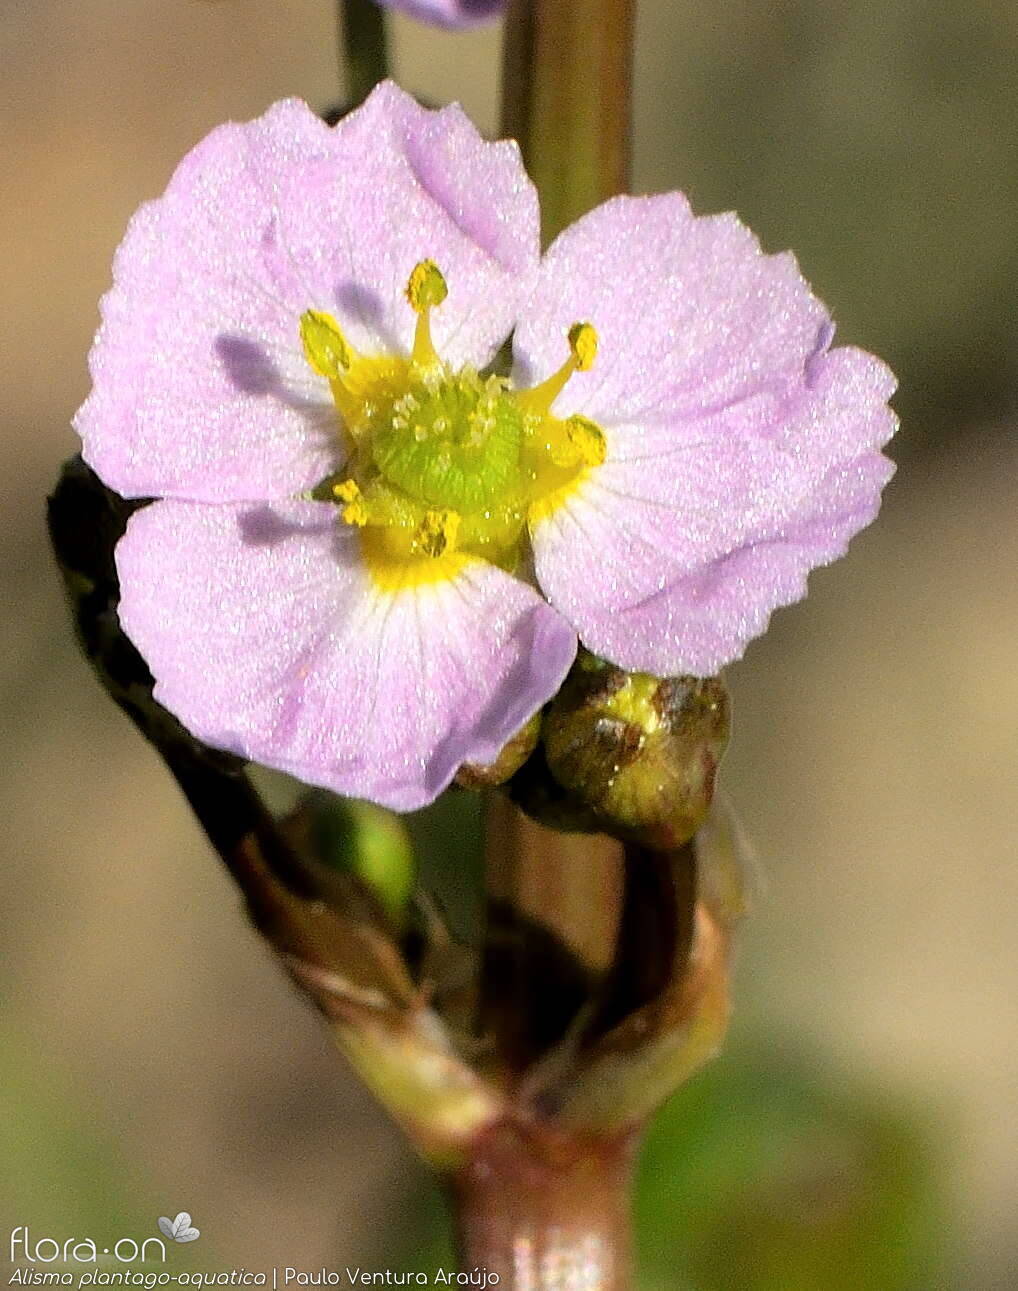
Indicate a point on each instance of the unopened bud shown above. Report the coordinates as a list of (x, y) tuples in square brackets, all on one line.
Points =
[(474, 775), (368, 841), (641, 752)]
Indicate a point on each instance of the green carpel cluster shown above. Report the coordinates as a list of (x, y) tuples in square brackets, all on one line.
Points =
[(453, 441)]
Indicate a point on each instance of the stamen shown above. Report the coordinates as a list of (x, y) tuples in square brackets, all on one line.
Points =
[(325, 346), (437, 532), (587, 439), (425, 290), (355, 512), (583, 351), (583, 343)]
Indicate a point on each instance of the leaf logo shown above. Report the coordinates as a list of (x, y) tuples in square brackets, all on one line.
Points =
[(179, 1229)]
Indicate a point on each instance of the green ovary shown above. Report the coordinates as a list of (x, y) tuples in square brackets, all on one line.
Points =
[(454, 442)]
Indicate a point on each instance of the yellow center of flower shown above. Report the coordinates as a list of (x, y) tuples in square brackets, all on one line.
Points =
[(443, 465)]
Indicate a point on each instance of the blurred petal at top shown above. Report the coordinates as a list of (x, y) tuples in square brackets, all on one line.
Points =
[(448, 13)]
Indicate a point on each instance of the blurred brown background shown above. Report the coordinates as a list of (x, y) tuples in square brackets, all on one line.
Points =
[(151, 1058)]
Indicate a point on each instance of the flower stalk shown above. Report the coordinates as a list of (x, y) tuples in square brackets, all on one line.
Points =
[(545, 1212), (567, 98), (544, 1209), (363, 47)]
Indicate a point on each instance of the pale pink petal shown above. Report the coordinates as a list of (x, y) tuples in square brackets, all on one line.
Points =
[(454, 14), (704, 620), (267, 638), (672, 562), (200, 387), (740, 450), (693, 318), (404, 185)]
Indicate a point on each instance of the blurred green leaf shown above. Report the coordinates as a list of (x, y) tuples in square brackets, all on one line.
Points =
[(775, 1174), (62, 1172)]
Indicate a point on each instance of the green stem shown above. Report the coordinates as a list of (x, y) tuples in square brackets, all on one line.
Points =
[(363, 47), (567, 99)]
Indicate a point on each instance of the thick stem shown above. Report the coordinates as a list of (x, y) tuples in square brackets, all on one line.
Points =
[(552, 902), (569, 882), (543, 1214), (363, 47), (567, 99)]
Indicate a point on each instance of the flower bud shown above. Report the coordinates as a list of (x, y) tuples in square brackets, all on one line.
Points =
[(362, 839), (474, 775), (640, 752)]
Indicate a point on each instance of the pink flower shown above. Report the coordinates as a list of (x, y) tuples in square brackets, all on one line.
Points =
[(371, 558), (448, 13)]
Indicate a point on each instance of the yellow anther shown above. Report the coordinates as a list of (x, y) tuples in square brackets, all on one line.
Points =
[(426, 287), (583, 343), (424, 291), (437, 532), (325, 347), (346, 491), (587, 439), (582, 352), (355, 512)]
